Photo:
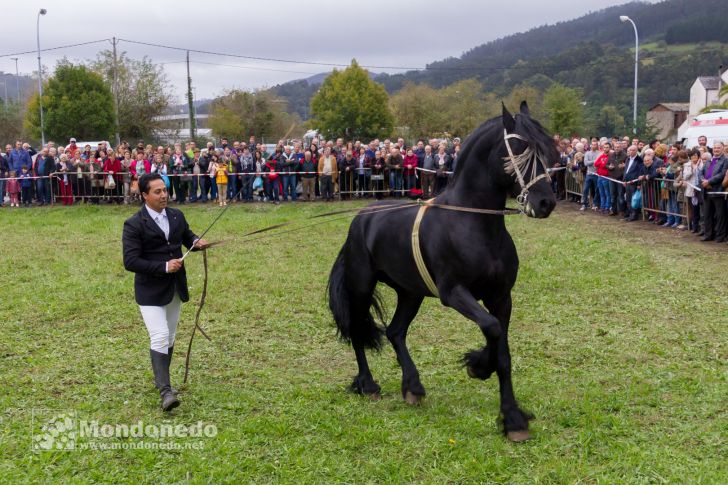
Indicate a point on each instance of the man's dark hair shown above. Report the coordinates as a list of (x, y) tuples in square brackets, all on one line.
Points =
[(146, 179)]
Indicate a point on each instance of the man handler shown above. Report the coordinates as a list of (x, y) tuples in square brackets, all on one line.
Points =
[(152, 241)]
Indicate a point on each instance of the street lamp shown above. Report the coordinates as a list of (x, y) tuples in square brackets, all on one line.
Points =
[(42, 11), (624, 18)]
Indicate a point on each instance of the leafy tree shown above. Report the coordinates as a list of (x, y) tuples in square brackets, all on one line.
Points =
[(419, 109), (241, 113), (466, 107), (144, 92), (76, 103), (563, 109), (350, 104), (531, 95), (610, 122), (11, 121)]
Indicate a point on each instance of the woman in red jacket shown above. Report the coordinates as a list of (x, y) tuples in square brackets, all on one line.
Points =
[(603, 184), (112, 166), (410, 166)]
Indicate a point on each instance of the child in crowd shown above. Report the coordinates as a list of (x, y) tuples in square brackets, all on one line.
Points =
[(220, 171), (26, 183), (13, 189)]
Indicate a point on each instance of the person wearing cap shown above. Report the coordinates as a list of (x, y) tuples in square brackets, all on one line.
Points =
[(152, 242), (72, 147)]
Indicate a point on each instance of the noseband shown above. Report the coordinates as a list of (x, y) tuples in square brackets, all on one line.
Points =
[(520, 164)]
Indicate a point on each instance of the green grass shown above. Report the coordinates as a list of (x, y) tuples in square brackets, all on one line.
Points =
[(618, 340)]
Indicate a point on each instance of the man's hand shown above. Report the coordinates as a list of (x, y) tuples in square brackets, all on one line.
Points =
[(201, 244), (174, 265), (705, 184)]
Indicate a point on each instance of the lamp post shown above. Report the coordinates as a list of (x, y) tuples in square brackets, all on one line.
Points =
[(624, 18), (42, 11), (17, 79)]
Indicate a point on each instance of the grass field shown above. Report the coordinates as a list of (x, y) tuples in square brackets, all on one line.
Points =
[(618, 338)]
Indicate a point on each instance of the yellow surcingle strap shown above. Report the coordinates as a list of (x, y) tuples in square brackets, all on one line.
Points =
[(418, 254)]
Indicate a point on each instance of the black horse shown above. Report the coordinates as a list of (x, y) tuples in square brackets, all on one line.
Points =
[(470, 257)]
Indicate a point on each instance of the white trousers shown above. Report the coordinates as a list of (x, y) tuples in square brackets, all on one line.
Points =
[(161, 322)]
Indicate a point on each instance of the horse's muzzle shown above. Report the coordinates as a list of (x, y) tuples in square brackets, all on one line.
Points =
[(540, 210)]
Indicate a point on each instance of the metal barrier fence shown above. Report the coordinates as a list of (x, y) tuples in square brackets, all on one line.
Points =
[(67, 188), (574, 183), (663, 200)]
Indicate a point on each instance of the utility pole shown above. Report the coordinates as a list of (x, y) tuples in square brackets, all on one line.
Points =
[(17, 78), (190, 104), (116, 94)]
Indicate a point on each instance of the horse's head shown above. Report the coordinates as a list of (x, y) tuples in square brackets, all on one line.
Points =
[(528, 153)]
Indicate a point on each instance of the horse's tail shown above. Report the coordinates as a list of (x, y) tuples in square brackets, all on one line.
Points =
[(352, 312)]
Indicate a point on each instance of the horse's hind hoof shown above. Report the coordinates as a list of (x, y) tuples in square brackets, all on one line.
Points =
[(471, 373), (518, 436), (375, 396), (413, 399)]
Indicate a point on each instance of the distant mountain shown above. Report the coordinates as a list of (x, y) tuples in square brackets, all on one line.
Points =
[(590, 52)]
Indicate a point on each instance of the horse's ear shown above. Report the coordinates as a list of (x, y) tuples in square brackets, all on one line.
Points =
[(509, 123), (524, 108)]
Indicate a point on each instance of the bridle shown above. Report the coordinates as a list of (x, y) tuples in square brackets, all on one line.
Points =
[(520, 164)]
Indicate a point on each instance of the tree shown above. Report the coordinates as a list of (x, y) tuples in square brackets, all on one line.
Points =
[(11, 121), (419, 110), (466, 107), (350, 104), (242, 113), (609, 122), (144, 92), (76, 103), (563, 109), (524, 92)]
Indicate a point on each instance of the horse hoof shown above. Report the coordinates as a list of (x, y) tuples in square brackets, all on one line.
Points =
[(471, 373), (375, 396), (518, 436), (412, 399)]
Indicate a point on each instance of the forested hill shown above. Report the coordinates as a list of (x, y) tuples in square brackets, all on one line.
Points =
[(589, 52)]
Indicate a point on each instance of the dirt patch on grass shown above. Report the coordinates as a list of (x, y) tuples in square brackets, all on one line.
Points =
[(641, 230)]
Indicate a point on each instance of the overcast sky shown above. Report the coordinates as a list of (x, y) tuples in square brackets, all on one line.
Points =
[(402, 33)]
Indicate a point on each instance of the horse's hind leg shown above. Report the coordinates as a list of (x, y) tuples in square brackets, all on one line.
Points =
[(365, 332), (407, 308), (363, 382)]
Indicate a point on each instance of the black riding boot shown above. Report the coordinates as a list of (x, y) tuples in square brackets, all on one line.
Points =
[(169, 361), (160, 366)]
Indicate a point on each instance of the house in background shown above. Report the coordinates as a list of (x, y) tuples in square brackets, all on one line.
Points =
[(703, 93), (667, 118), (176, 127)]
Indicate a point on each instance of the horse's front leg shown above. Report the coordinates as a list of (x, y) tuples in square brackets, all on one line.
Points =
[(515, 420), (495, 353)]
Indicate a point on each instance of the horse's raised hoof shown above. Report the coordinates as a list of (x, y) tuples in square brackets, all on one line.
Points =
[(518, 436), (471, 373), (413, 399)]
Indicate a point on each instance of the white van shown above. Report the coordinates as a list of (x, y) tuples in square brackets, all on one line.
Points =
[(713, 125)]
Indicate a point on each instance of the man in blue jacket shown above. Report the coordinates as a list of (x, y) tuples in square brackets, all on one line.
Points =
[(20, 156)]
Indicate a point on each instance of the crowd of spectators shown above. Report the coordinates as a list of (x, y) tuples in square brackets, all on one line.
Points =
[(230, 172), (679, 187), (670, 185)]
